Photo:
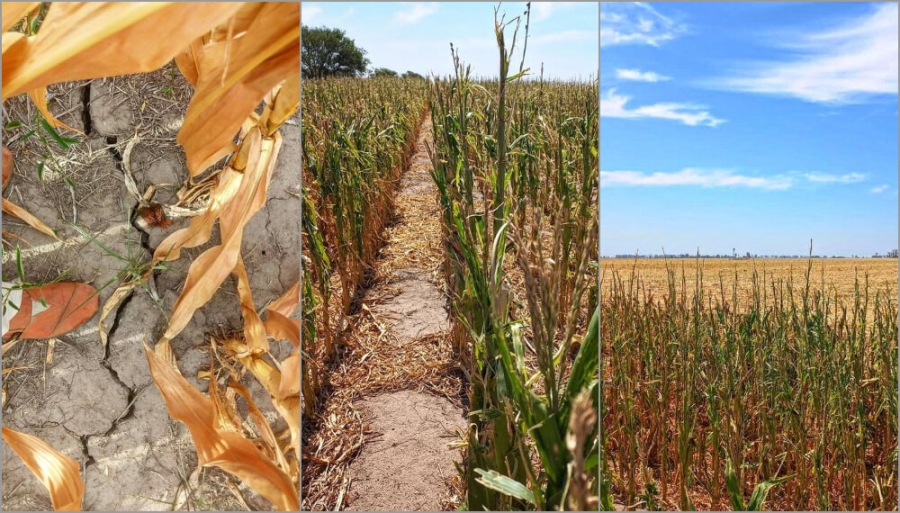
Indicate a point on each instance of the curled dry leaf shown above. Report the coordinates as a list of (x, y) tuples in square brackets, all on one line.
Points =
[(225, 449), (84, 40), (110, 305), (56, 471)]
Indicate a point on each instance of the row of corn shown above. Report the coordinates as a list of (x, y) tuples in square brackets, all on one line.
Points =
[(357, 137), (516, 167)]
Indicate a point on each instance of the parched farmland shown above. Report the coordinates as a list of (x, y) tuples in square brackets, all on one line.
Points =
[(450, 349), (749, 384)]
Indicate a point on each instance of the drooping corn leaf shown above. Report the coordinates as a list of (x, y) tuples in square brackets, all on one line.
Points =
[(84, 40), (13, 12), (57, 472), (228, 450), (212, 267)]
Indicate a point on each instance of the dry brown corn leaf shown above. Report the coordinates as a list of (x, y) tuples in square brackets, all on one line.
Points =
[(213, 266), (227, 450), (57, 472), (234, 75), (271, 379), (254, 330), (263, 425), (288, 302), (13, 12), (17, 211), (282, 328), (84, 40)]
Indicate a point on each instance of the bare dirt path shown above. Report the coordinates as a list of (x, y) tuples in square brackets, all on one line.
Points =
[(397, 389)]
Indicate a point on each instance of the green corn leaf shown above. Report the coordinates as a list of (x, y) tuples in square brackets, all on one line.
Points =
[(505, 485)]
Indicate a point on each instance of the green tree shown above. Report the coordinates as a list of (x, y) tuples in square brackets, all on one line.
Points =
[(329, 52), (413, 74), (384, 72)]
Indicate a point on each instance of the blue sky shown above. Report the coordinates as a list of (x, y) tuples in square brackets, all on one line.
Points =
[(754, 126), (416, 36)]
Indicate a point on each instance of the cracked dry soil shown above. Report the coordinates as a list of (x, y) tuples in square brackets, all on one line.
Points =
[(101, 407)]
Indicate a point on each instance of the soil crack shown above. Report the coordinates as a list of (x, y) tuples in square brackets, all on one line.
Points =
[(86, 108)]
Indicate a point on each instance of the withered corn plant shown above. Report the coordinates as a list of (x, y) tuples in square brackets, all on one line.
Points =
[(236, 55), (516, 167), (708, 395)]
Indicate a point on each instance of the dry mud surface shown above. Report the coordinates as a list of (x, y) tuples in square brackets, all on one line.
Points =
[(101, 408)]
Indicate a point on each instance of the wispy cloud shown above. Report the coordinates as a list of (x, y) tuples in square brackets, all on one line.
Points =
[(635, 23), (416, 12), (543, 10), (846, 64), (698, 177), (879, 189), (309, 12), (612, 105), (566, 36), (640, 76), (829, 178)]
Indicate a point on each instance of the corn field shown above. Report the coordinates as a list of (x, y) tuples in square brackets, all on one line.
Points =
[(784, 400)]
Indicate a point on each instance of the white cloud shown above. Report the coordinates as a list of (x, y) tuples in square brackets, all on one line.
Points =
[(699, 177), (845, 64), (635, 23), (309, 12), (829, 178), (543, 10), (613, 106), (566, 36), (640, 76), (417, 12), (879, 189)]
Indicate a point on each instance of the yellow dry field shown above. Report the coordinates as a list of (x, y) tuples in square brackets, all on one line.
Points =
[(838, 276)]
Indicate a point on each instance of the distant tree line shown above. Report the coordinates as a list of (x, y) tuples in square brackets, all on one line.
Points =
[(328, 52)]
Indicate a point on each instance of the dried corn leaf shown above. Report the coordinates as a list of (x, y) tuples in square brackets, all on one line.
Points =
[(264, 428), (225, 449), (290, 376), (84, 40), (211, 268), (17, 211), (282, 328), (254, 331), (271, 379), (13, 12), (288, 302), (234, 74), (56, 471)]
